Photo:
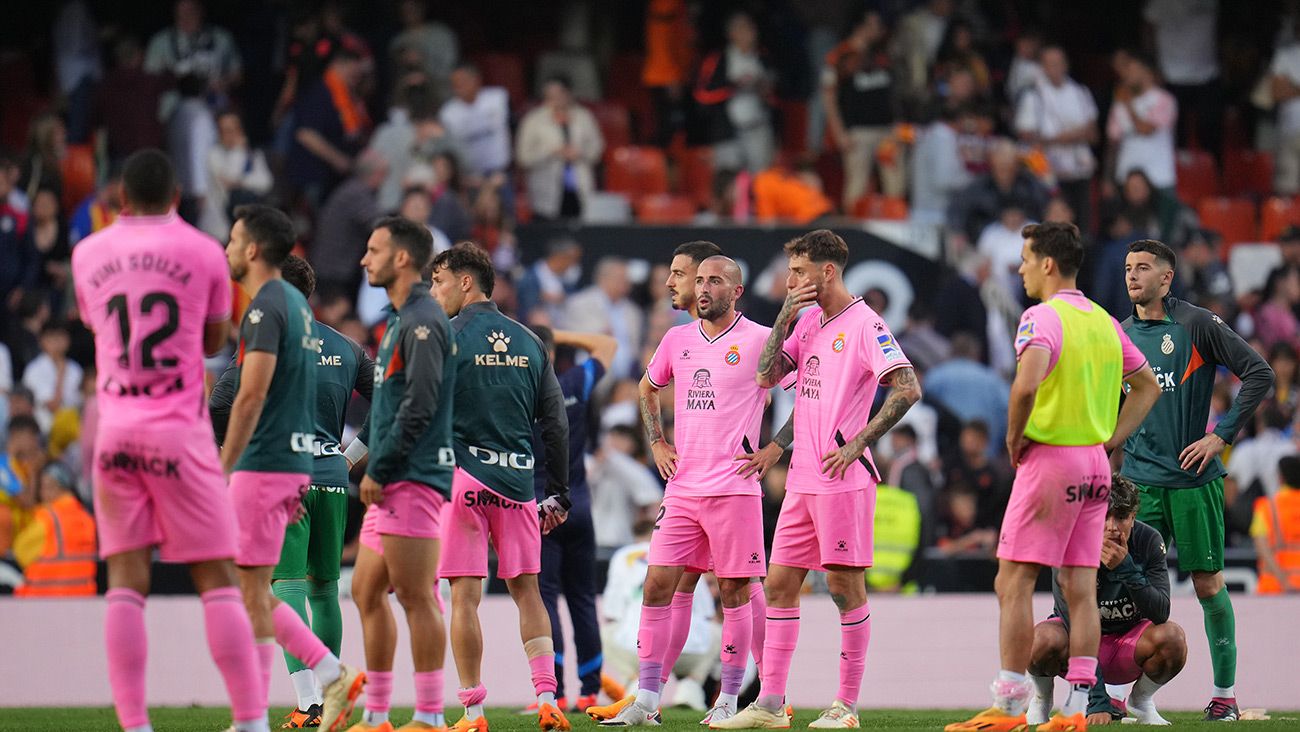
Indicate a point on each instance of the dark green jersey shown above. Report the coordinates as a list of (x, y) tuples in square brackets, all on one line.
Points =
[(505, 383), (1184, 350), (409, 429), (342, 367), (278, 321)]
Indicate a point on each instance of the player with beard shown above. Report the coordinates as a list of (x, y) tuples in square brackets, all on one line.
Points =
[(709, 512)]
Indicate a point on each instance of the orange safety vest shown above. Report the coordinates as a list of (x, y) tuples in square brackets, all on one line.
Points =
[(1283, 513), (66, 566)]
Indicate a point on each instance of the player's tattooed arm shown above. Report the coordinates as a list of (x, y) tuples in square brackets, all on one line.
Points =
[(664, 453), (784, 437), (904, 391), (773, 364)]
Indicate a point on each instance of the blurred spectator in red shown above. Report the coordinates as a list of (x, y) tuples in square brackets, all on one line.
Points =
[(1275, 320), (76, 60), (331, 127), (238, 175), (478, 120), (1006, 184), (99, 209), (916, 45), (1059, 114), (1285, 86), (669, 55), (191, 135), (1141, 126), (425, 44), (192, 47), (559, 146), (1185, 34), (796, 196), (732, 90), (958, 52), (47, 147), (127, 103), (860, 101), (344, 227)]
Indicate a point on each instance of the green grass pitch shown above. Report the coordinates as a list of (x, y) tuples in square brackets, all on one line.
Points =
[(172, 719)]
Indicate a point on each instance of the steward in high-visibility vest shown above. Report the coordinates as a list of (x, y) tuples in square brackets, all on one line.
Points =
[(57, 548), (897, 535), (1276, 531)]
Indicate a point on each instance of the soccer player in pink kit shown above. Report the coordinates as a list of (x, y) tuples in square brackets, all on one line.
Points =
[(840, 352), (709, 511), (156, 293), (1061, 424)]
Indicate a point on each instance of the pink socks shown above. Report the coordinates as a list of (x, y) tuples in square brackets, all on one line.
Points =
[(1081, 670), (379, 690), (472, 697), (655, 622), (428, 691), (678, 630), (295, 637), (265, 659), (855, 635), (126, 642), (778, 651), (542, 667), (230, 640), (758, 605), (737, 634)]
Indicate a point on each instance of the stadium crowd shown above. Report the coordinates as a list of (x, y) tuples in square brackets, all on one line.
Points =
[(964, 117)]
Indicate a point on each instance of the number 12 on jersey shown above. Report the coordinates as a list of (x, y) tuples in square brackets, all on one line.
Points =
[(117, 306)]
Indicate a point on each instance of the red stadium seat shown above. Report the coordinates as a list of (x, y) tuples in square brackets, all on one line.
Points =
[(504, 70), (636, 171), (615, 123), (665, 208), (623, 85), (1233, 218), (1247, 173), (1275, 215), (78, 171), (695, 174), (1197, 176), (794, 125), (890, 208)]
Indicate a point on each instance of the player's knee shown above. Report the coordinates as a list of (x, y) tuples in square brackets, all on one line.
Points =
[(735, 592), (1051, 650), (1170, 647), (415, 597), (659, 588), (1011, 586), (1207, 584)]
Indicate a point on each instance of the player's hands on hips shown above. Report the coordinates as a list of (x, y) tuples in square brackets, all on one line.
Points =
[(757, 463), (552, 513), (1201, 453), (371, 491), (1099, 718), (665, 458), (836, 462), (1016, 447), (1112, 553)]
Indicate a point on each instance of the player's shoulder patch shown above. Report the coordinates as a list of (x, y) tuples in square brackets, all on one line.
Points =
[(1025, 333), (888, 347)]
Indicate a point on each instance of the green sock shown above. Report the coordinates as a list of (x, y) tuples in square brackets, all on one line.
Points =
[(326, 617), (1221, 631), (294, 594)]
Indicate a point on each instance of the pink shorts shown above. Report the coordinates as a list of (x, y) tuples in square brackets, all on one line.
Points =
[(163, 489), (478, 514), (1058, 507), (407, 509), (264, 503), (820, 530), (722, 533), (1117, 654)]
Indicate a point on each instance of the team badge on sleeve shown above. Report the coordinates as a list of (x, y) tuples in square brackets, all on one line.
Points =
[(1024, 334), (888, 347)]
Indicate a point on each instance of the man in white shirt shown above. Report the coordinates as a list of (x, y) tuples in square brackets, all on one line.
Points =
[(1285, 74), (1059, 113), (1187, 48), (937, 172), (191, 47), (1256, 458), (54, 379), (1141, 126), (478, 120)]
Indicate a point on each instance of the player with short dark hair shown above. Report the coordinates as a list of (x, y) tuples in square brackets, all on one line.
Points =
[(270, 445), (1172, 459), (1139, 643), (158, 480), (1063, 419)]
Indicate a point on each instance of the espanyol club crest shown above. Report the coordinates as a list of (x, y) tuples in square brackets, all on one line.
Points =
[(733, 356), (837, 345)]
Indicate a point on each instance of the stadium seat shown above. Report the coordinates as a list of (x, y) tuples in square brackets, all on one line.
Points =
[(1247, 173), (665, 208), (794, 125), (1249, 265), (695, 174), (1233, 218), (636, 171), (1275, 215), (871, 206), (78, 171), (504, 70), (615, 123), (1197, 176), (623, 85)]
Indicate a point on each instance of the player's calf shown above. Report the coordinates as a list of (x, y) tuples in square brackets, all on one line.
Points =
[(1050, 656)]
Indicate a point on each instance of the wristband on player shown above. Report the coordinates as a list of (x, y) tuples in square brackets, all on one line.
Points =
[(355, 451)]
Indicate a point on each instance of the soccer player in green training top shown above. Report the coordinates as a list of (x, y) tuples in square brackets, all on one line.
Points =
[(308, 572), (504, 383), (1174, 462)]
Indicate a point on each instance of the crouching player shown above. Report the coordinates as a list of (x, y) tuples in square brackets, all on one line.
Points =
[(1138, 641)]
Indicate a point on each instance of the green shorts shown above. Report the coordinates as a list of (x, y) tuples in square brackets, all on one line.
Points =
[(1191, 518), (313, 547)]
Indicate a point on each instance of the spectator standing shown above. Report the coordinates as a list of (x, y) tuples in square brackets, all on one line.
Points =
[(604, 307), (1026, 71), (546, 285), (76, 60), (19, 265), (1186, 44), (47, 147), (858, 95), (1058, 113), (55, 380), (1285, 84), (191, 135), (558, 147), (1256, 458), (668, 60), (916, 45), (127, 103), (449, 213), (410, 138), (1007, 184), (978, 469), (1275, 319), (238, 175), (191, 47), (344, 226), (938, 174), (623, 490), (331, 125), (1275, 531), (731, 89), (1141, 126), (957, 52), (425, 44), (47, 239), (57, 548), (970, 389), (478, 120)]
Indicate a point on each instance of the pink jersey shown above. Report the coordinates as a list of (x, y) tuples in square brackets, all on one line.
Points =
[(718, 405), (147, 286), (1040, 327), (839, 363)]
